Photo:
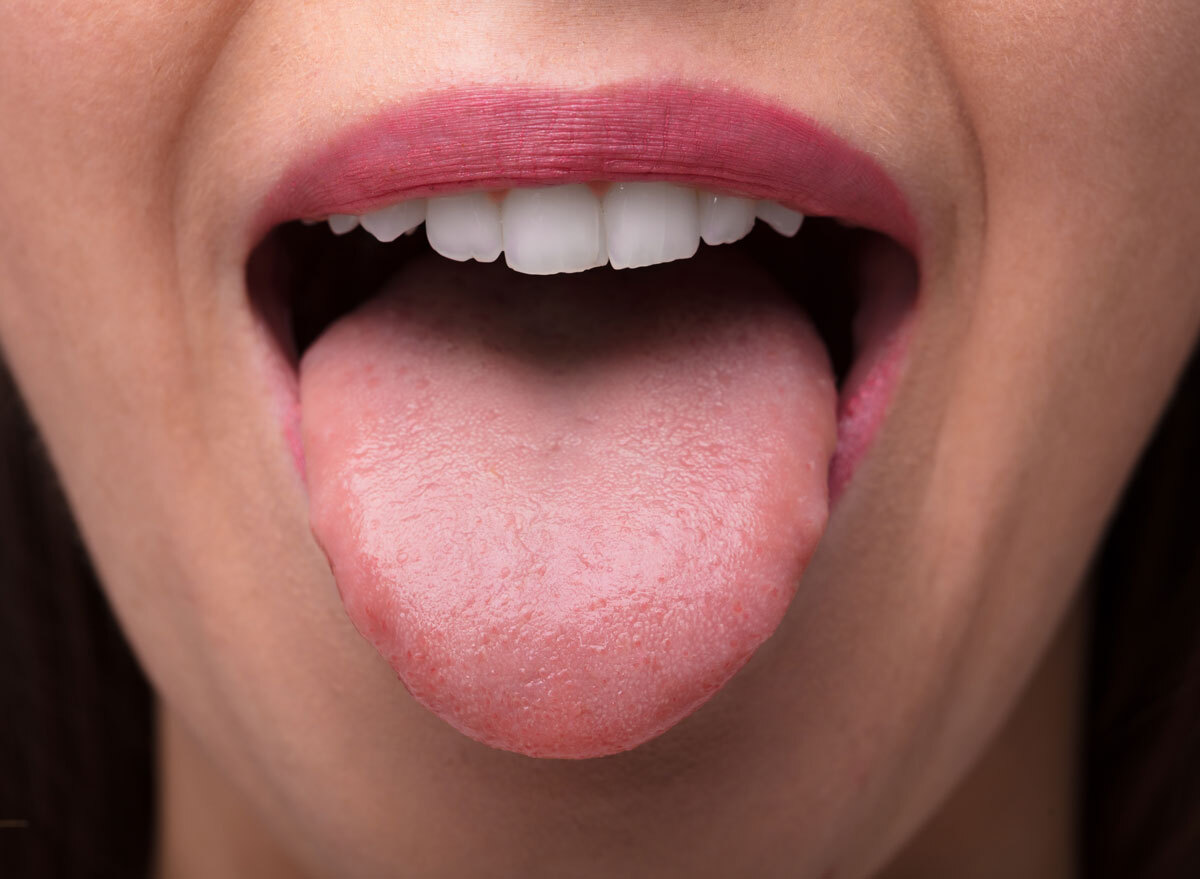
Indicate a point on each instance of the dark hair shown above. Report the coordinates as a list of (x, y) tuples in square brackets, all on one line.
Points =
[(76, 747), (1142, 764), (76, 737)]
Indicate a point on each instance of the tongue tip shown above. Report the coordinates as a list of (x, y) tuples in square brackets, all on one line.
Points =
[(574, 683), (579, 740), (589, 719), (573, 734)]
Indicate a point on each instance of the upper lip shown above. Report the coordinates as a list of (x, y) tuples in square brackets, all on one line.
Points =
[(500, 137)]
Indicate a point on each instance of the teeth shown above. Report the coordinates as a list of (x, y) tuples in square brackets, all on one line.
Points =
[(725, 219), (342, 223), (392, 222), (783, 220), (553, 229), (649, 223), (463, 227)]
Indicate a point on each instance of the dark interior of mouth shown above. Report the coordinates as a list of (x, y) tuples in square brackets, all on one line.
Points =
[(303, 278)]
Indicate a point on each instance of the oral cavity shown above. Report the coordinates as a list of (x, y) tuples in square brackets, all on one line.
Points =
[(575, 227), (566, 510)]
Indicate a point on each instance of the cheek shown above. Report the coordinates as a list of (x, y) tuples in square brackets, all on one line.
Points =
[(85, 234), (1097, 78), (121, 74), (86, 278), (1087, 134), (90, 314)]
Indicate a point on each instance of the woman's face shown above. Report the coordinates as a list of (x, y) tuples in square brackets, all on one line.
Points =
[(1048, 155)]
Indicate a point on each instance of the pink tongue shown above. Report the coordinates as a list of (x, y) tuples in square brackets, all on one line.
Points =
[(566, 510)]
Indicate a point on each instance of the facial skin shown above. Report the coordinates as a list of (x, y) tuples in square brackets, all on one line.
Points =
[(1052, 153)]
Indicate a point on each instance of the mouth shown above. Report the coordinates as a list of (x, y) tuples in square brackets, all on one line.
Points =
[(573, 381)]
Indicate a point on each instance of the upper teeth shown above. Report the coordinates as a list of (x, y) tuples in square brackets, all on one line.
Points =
[(552, 229)]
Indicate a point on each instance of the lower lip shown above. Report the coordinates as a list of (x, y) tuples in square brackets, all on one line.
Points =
[(497, 138)]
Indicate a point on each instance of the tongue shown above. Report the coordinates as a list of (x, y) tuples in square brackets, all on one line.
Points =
[(567, 510)]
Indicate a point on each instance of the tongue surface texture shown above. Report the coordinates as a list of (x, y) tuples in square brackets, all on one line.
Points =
[(567, 510)]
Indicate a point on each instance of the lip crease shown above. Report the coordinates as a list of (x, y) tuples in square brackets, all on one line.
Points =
[(494, 137)]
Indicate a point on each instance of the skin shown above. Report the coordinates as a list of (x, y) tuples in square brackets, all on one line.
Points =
[(1053, 152)]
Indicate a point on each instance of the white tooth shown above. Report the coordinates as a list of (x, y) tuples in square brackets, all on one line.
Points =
[(392, 222), (725, 219), (783, 220), (552, 229), (342, 223), (463, 227), (648, 223)]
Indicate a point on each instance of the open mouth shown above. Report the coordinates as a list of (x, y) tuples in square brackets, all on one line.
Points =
[(570, 428)]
